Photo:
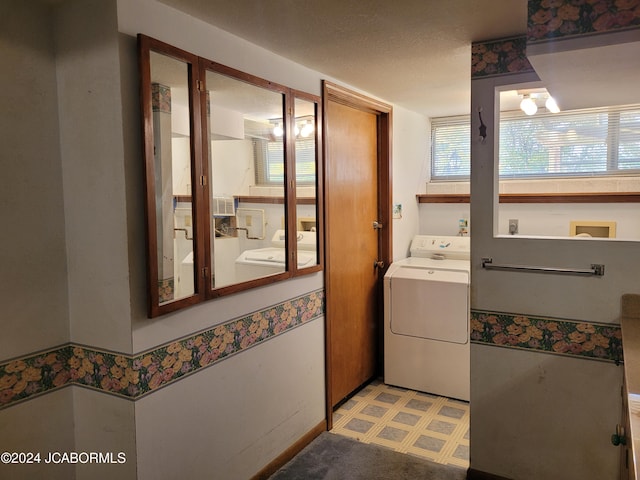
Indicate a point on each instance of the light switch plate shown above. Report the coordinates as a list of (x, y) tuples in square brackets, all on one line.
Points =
[(397, 210)]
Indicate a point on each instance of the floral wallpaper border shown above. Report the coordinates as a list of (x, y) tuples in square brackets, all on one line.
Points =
[(499, 57), (135, 376), (548, 335), (160, 98), (555, 19)]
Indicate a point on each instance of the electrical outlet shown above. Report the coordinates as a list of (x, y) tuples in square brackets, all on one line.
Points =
[(248, 221), (513, 226)]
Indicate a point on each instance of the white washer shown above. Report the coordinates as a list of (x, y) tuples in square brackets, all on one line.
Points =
[(426, 318), (259, 262)]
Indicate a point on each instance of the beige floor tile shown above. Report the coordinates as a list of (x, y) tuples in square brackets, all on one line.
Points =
[(416, 423)]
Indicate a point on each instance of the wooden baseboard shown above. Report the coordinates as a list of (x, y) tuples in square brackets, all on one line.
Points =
[(478, 475), (290, 452)]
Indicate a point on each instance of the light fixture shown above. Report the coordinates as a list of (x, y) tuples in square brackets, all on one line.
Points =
[(528, 105), (551, 105), (302, 128), (533, 99), (307, 129)]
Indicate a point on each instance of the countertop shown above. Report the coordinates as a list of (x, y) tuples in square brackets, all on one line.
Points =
[(630, 324)]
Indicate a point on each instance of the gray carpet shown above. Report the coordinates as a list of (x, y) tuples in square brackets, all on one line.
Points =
[(334, 457)]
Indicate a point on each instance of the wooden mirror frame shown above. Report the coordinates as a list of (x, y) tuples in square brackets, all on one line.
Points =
[(197, 68)]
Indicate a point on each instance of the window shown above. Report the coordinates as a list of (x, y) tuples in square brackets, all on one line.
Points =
[(269, 160), (450, 148), (590, 142)]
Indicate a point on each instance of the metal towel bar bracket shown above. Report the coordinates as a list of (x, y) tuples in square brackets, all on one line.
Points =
[(595, 270)]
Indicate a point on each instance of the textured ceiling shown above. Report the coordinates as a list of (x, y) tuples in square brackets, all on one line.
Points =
[(413, 53)]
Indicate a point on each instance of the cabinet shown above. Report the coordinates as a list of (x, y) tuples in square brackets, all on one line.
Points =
[(622, 438), (629, 428)]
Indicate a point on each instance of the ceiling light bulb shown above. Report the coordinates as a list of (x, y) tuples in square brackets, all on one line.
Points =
[(278, 131), (307, 129), (551, 105), (528, 106)]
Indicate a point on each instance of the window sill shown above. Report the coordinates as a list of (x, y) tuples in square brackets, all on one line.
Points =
[(608, 197)]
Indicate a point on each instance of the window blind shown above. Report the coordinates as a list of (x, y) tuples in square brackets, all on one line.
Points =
[(269, 162), (450, 148), (578, 143)]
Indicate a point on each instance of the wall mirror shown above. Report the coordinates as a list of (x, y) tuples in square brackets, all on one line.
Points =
[(173, 174), (169, 104), (305, 130), (232, 178), (246, 131)]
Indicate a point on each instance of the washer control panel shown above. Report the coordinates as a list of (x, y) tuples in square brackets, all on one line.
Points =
[(441, 247)]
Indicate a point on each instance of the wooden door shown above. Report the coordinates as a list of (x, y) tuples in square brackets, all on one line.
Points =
[(356, 182)]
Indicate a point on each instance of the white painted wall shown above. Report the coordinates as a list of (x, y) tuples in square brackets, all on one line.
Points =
[(411, 144), (235, 417), (105, 424), (91, 146), (33, 284), (171, 26), (232, 167), (549, 219), (538, 416), (442, 218), (505, 381), (555, 219), (42, 425)]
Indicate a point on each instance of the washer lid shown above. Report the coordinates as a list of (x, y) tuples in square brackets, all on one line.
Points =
[(304, 240), (270, 256), (263, 256)]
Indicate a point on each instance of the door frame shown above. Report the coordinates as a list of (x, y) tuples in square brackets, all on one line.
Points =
[(332, 92)]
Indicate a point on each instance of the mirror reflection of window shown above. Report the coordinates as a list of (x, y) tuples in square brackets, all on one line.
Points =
[(173, 183), (247, 230)]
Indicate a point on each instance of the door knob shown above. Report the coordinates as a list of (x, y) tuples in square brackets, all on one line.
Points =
[(378, 264), (377, 225)]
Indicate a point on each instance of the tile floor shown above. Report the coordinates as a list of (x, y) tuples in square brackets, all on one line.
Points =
[(428, 426)]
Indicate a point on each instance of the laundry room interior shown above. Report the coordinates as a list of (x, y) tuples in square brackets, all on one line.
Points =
[(182, 293), (540, 232)]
